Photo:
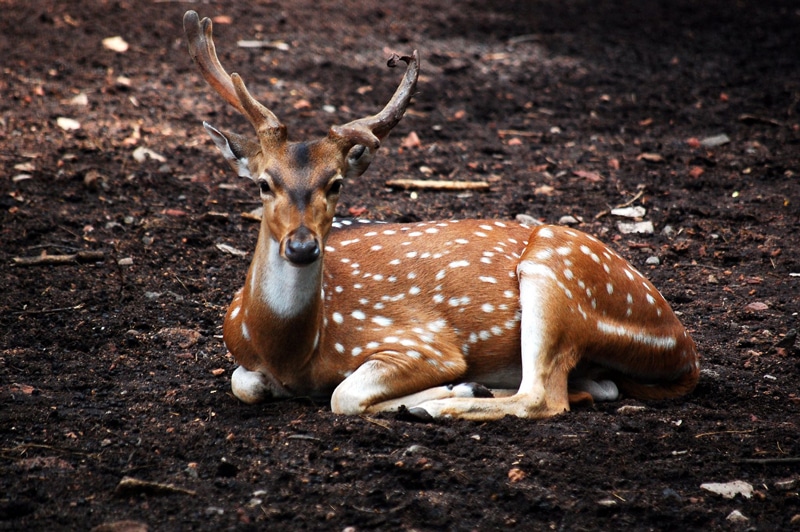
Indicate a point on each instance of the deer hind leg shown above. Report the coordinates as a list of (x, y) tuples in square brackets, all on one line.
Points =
[(546, 362)]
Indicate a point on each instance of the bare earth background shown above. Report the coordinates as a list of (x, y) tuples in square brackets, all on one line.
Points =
[(112, 366)]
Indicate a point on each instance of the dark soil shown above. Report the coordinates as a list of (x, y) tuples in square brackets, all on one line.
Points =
[(114, 367)]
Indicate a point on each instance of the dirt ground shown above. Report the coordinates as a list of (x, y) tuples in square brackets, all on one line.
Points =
[(112, 364)]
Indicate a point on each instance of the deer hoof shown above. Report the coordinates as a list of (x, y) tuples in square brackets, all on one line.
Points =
[(414, 414)]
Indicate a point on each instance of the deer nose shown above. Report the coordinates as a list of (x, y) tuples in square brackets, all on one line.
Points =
[(302, 247)]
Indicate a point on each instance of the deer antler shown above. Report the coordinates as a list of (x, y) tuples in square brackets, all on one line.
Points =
[(230, 87), (371, 130)]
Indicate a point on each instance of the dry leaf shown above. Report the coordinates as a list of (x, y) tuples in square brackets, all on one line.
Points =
[(544, 190), (411, 141), (592, 177), (650, 157)]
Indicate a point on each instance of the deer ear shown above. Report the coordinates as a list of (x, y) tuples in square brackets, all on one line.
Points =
[(358, 159), (239, 151)]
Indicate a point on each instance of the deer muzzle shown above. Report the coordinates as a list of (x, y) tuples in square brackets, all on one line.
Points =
[(301, 247)]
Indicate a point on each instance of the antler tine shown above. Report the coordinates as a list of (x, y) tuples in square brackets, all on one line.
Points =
[(230, 87), (202, 51), (371, 130)]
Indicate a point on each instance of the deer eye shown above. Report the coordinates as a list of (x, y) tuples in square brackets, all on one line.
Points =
[(263, 184)]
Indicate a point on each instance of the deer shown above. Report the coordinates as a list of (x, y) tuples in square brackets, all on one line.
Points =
[(465, 319)]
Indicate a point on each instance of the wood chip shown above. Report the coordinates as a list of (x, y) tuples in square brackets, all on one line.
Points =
[(424, 184), (729, 490), (627, 228), (225, 248), (275, 45), (67, 124)]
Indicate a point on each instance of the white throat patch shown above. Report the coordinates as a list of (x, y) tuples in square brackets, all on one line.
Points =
[(286, 289)]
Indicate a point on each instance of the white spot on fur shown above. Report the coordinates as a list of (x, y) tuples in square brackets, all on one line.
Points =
[(382, 321)]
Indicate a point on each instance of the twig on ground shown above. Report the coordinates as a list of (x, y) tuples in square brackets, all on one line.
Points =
[(424, 184), (81, 256)]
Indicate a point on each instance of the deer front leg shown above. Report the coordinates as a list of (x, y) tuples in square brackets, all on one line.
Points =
[(390, 380)]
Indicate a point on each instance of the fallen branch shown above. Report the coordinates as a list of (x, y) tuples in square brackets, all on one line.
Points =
[(425, 184), (771, 461), (81, 256)]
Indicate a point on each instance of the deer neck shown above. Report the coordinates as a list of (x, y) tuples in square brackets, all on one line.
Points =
[(287, 303)]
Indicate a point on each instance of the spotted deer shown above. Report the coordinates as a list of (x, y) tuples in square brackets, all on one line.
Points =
[(471, 319)]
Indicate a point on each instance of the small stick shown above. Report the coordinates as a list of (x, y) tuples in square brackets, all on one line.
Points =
[(620, 206), (424, 184), (518, 133), (50, 310), (81, 256)]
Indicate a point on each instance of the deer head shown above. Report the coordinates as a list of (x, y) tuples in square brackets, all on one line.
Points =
[(299, 181)]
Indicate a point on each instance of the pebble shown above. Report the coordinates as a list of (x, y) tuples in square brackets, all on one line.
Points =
[(527, 219), (630, 409), (715, 140), (736, 517), (653, 261), (567, 220)]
